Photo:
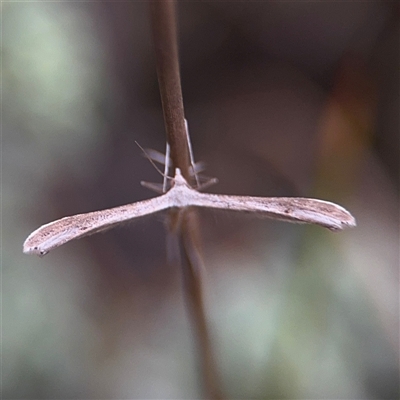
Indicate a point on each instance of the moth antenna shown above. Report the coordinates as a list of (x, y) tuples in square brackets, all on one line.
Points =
[(166, 166), (153, 163), (192, 163)]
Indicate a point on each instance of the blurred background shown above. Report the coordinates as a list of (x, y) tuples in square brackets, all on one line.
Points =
[(282, 99)]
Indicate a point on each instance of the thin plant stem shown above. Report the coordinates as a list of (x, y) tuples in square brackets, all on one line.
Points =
[(184, 223), (166, 48)]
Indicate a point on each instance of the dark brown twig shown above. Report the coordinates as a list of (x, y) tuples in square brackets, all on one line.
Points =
[(184, 224), (166, 48)]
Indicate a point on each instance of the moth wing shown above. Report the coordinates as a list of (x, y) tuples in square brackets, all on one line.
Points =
[(57, 233), (292, 209)]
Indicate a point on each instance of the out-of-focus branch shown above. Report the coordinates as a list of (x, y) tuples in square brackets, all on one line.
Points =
[(192, 269)]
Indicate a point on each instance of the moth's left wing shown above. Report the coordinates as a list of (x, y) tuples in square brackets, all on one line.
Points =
[(56, 233)]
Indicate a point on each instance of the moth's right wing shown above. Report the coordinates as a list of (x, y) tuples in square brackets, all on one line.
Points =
[(292, 209)]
